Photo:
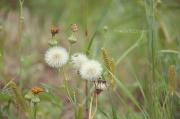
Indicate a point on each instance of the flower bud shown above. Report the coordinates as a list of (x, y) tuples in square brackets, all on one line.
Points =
[(35, 99), (52, 42), (29, 95), (73, 27), (72, 39)]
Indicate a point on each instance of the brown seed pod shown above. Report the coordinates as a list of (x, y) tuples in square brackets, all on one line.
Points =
[(73, 27), (54, 30)]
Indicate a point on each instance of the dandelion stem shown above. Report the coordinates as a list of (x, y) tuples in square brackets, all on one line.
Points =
[(35, 109), (66, 88), (90, 108), (95, 107), (68, 61), (60, 77)]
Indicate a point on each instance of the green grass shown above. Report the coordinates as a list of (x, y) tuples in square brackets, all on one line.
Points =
[(142, 58)]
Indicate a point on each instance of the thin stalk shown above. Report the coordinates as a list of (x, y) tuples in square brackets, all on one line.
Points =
[(1, 53), (87, 101), (20, 45), (164, 103), (68, 61), (66, 88), (75, 108), (59, 78), (86, 82), (19, 113), (172, 99), (35, 109), (90, 107), (153, 42), (95, 107)]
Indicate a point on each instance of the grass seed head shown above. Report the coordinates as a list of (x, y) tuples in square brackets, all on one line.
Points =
[(110, 65), (19, 98), (172, 79)]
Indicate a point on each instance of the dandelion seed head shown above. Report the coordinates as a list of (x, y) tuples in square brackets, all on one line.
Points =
[(56, 56), (78, 59), (90, 70)]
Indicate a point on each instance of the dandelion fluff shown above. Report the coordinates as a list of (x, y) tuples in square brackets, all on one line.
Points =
[(78, 59), (56, 56), (90, 70)]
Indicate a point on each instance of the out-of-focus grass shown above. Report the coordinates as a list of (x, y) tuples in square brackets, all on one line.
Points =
[(123, 19)]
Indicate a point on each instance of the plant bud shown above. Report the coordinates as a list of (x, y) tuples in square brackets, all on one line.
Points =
[(72, 39)]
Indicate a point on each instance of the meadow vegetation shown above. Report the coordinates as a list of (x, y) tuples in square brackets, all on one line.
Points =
[(111, 59)]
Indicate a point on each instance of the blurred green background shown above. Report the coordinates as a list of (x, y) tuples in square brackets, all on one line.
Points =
[(123, 21)]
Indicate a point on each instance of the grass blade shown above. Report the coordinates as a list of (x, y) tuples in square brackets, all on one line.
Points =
[(98, 24), (129, 50), (127, 92)]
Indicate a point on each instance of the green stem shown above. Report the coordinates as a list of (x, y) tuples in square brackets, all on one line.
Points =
[(35, 109), (86, 83), (1, 53), (19, 45), (66, 88), (172, 100), (59, 78), (69, 62), (95, 107), (90, 107), (152, 36)]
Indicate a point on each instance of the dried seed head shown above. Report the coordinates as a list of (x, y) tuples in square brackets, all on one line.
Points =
[(172, 79), (54, 30), (73, 27), (100, 85)]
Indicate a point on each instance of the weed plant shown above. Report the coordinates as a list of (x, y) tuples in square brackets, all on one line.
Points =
[(116, 60)]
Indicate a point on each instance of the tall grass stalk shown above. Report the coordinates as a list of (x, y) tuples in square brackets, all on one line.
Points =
[(1, 52), (20, 40), (150, 89), (86, 82)]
